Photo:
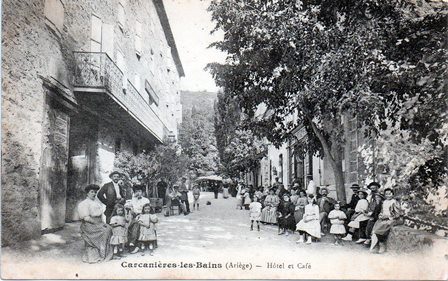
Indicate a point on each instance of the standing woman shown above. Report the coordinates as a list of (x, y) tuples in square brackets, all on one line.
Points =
[(94, 232), (269, 212), (225, 191)]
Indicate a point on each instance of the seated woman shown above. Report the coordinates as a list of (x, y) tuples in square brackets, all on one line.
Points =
[(359, 219), (269, 212), (309, 225), (388, 217), (286, 221), (302, 201), (94, 232)]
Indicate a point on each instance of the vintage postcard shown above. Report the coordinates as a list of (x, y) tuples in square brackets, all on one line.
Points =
[(224, 139)]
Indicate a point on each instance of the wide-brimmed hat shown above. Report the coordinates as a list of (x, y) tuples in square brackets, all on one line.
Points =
[(138, 187), (373, 183), (115, 172), (364, 191), (388, 188), (91, 187), (355, 186), (322, 189)]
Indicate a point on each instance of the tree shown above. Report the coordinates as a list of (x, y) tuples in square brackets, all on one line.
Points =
[(196, 137), (322, 59), (239, 150), (148, 168)]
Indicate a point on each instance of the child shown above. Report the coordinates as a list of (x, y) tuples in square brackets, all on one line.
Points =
[(337, 218), (147, 221), (196, 194), (247, 199), (119, 229), (309, 225), (255, 213)]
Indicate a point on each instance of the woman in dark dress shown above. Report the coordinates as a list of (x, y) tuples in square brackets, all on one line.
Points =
[(286, 221)]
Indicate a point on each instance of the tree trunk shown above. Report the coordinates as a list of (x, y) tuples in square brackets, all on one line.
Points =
[(334, 156)]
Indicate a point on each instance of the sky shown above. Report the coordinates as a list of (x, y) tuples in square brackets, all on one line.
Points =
[(191, 25)]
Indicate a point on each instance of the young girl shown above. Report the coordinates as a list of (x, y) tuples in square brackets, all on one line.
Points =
[(119, 229), (147, 221), (196, 194), (247, 200), (337, 218), (309, 225), (359, 219), (255, 213)]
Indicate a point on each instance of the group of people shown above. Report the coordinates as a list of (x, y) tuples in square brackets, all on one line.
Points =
[(368, 216), (130, 219)]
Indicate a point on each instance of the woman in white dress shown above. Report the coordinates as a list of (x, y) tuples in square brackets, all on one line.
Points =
[(95, 233), (309, 225)]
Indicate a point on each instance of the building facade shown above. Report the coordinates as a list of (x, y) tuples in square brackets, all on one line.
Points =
[(82, 80)]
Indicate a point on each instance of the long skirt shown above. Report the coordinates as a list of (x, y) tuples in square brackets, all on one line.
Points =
[(310, 227), (287, 223), (298, 214), (269, 215), (97, 242), (225, 193)]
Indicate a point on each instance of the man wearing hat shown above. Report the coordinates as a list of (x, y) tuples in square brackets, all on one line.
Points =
[(373, 187), (353, 201), (111, 193), (325, 204)]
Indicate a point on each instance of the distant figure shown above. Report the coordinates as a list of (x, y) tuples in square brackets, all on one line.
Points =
[(215, 189), (184, 194), (225, 191), (311, 188), (161, 190), (196, 195)]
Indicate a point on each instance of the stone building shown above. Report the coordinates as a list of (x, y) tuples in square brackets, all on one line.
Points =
[(81, 80)]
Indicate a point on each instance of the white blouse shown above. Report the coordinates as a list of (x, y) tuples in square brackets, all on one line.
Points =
[(90, 208)]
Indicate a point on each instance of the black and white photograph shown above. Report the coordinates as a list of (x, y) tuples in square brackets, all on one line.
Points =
[(224, 139)]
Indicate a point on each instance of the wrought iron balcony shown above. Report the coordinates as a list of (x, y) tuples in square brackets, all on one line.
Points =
[(97, 73)]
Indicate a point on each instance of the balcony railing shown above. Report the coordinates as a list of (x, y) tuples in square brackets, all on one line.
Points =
[(97, 72)]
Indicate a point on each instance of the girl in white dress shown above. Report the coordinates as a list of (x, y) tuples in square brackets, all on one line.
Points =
[(148, 235), (309, 225), (255, 213), (337, 218)]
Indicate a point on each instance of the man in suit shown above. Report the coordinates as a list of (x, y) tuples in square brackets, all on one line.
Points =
[(111, 193), (325, 204)]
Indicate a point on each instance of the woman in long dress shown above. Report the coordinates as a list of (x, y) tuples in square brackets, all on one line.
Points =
[(94, 232), (309, 225), (225, 191), (286, 222), (269, 212)]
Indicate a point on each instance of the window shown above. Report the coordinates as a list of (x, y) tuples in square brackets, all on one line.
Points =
[(95, 34), (121, 14), (107, 40), (138, 38), (54, 14), (152, 96)]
